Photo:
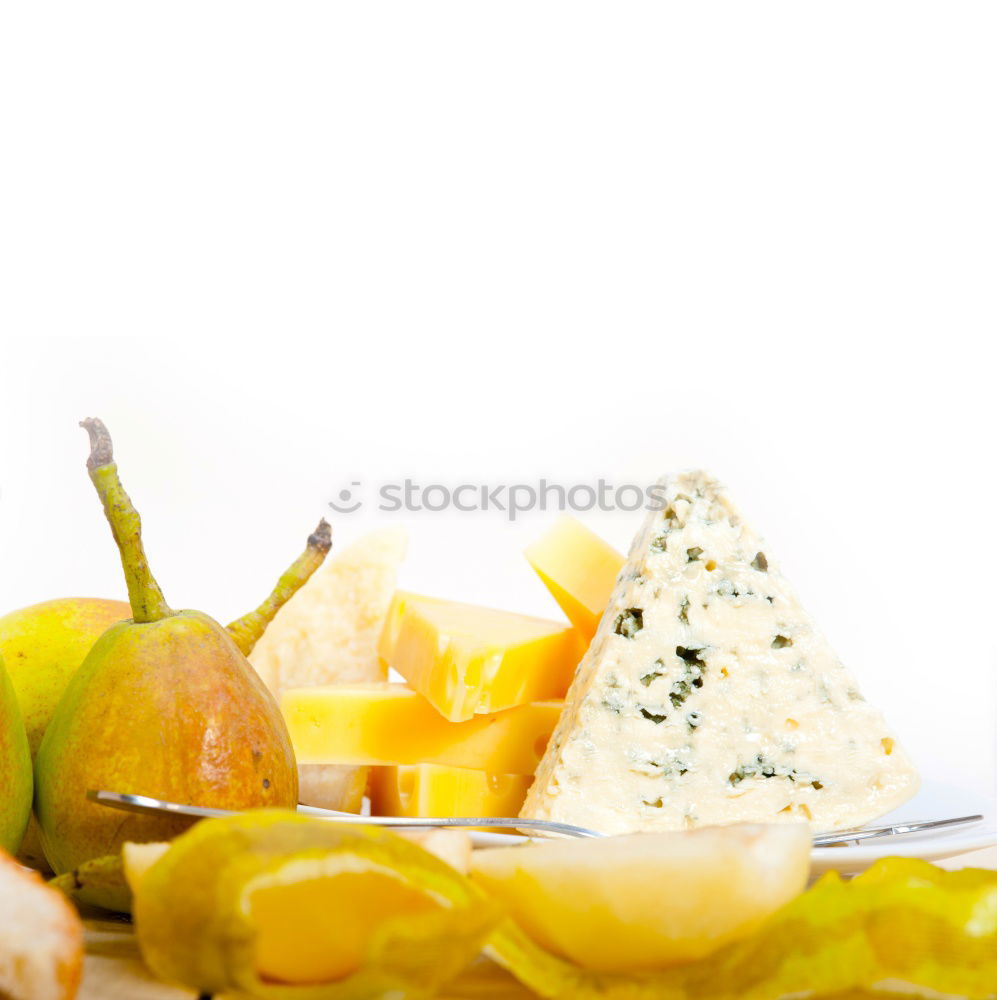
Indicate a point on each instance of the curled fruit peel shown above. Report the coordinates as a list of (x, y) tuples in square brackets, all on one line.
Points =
[(903, 922), (197, 924)]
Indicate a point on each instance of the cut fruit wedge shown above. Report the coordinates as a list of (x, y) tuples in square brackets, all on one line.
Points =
[(451, 846), (904, 927), (137, 859), (277, 905), (647, 901)]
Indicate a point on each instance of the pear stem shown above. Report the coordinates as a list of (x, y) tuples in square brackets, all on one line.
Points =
[(144, 595), (247, 630)]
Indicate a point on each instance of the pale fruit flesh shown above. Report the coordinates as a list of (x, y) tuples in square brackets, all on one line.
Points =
[(647, 901), (297, 943), (139, 858), (270, 903)]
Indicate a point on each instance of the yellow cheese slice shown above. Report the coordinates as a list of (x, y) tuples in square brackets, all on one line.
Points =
[(579, 569), (468, 660), (388, 724), (437, 790)]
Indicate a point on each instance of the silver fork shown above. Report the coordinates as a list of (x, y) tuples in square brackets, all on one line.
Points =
[(836, 838), (145, 804)]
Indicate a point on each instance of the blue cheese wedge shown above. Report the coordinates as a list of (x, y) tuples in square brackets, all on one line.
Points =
[(708, 694)]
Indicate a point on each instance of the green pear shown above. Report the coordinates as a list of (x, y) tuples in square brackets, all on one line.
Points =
[(107, 873), (164, 704), (43, 646), (15, 768)]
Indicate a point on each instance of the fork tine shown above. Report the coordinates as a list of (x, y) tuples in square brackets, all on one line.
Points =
[(894, 830)]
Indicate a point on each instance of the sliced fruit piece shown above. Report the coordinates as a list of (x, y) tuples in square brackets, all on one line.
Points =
[(137, 859), (327, 633), (437, 790), (275, 904), (41, 938), (297, 942), (578, 568), (387, 724), (904, 926), (451, 846), (647, 901), (467, 660), (98, 875)]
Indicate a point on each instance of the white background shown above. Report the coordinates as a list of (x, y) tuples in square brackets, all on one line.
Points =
[(493, 242)]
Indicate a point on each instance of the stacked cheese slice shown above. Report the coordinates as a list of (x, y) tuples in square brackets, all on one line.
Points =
[(463, 735)]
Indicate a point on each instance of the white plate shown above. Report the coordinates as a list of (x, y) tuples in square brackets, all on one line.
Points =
[(932, 802)]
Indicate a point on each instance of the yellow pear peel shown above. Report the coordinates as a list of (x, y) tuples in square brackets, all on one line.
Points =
[(197, 926), (902, 923)]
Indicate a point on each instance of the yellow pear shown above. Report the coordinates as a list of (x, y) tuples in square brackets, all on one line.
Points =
[(15, 768), (43, 646)]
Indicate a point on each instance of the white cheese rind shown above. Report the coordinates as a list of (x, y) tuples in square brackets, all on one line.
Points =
[(708, 695)]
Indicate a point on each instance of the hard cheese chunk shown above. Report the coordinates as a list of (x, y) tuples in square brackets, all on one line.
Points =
[(436, 790), (468, 660), (709, 696), (328, 633), (390, 724), (579, 569)]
